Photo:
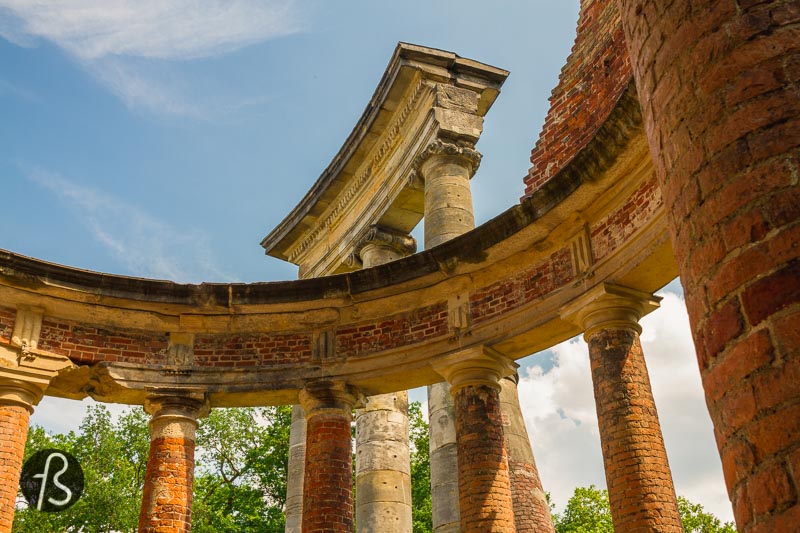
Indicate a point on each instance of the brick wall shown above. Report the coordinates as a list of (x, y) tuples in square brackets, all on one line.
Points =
[(501, 297), (612, 231), (594, 77), (718, 84), (6, 325), (251, 350), (87, 345), (403, 330)]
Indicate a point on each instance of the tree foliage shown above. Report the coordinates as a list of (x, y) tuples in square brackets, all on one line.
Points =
[(696, 520), (240, 479), (587, 511), (422, 515)]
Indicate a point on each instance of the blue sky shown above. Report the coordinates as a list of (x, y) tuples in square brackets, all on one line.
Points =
[(164, 139)]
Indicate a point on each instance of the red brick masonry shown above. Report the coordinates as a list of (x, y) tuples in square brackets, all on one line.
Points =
[(718, 84), (638, 477), (483, 480), (13, 432)]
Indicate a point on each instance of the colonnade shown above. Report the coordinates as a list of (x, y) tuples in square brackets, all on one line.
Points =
[(483, 474), (638, 476)]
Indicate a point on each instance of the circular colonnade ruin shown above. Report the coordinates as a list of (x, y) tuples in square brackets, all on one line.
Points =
[(670, 148)]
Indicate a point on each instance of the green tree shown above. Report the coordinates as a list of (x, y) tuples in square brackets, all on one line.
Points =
[(587, 511), (696, 520), (242, 462), (422, 515)]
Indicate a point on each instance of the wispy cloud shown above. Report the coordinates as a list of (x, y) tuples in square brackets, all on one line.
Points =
[(143, 244), (104, 35), (560, 414), (9, 89)]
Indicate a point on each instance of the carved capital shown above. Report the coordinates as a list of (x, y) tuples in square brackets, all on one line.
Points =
[(477, 366), (175, 412), (608, 306), (439, 149), (326, 396), (400, 243)]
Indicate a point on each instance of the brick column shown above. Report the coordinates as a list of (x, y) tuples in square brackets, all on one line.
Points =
[(483, 477), (446, 169), (639, 480), (169, 478), (531, 510), (383, 455), (296, 471), (328, 484), (17, 399), (718, 85)]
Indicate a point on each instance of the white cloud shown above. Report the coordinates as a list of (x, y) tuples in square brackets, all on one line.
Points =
[(116, 40), (560, 414), (60, 415), (159, 29), (145, 245)]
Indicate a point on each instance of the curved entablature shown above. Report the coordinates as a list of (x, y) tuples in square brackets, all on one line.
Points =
[(428, 100), (380, 329)]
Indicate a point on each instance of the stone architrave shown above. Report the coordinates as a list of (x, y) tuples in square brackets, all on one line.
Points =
[(169, 477), (383, 455), (640, 488)]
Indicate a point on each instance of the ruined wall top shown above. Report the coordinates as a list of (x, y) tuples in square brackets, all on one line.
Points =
[(591, 82)]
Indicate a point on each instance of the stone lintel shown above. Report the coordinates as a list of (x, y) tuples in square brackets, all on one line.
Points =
[(610, 306), (476, 365), (325, 396)]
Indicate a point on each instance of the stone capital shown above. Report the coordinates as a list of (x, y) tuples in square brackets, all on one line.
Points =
[(175, 412), (609, 306), (380, 245), (441, 152), (326, 396), (477, 365), (20, 392)]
